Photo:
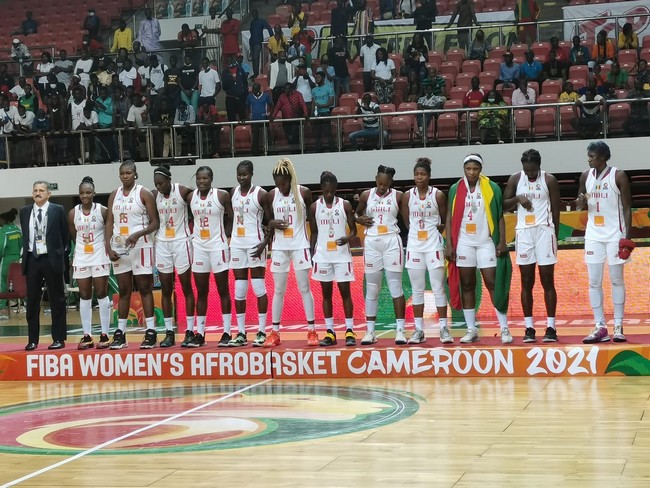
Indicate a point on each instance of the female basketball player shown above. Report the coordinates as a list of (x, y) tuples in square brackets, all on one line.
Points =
[(476, 238), (248, 252), (90, 263), (288, 215), (212, 212), (424, 209), (605, 192), (331, 220), (377, 211), (131, 220), (173, 250)]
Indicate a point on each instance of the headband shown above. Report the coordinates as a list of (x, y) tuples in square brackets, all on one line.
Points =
[(473, 157), (161, 172)]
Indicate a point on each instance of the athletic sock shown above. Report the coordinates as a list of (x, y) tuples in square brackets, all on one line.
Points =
[(530, 324), (329, 323), (241, 323), (190, 323), (227, 319), (550, 322), (349, 323), (311, 325), (419, 321), (86, 315), (261, 318), (503, 319), (104, 314), (276, 327), (151, 323), (443, 322), (169, 324), (121, 324), (470, 317), (400, 324), (200, 325), (370, 325)]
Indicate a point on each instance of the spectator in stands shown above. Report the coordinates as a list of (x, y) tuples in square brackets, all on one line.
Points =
[(53, 88), (277, 43), (190, 83), (387, 9), (464, 11), (643, 74), (339, 56), (22, 150), (259, 105), (209, 83), (83, 68), (24, 121), (327, 70), (406, 8), (41, 122), (63, 68), (122, 37), (137, 118), (163, 118), (189, 39), (212, 31), (425, 16), (638, 123), (383, 74), (6, 80), (306, 40), (235, 84), (245, 66), (480, 47), (105, 146), (339, 20), (185, 116), (297, 19), (257, 28), (475, 96), (140, 57), (561, 54), (491, 123), (230, 33), (303, 82), (149, 33), (579, 54), (296, 51), (599, 79), (29, 100), (508, 71), (172, 82), (8, 113), (59, 117), (92, 24), (438, 83), (568, 95), (128, 75), (603, 51), (428, 101), (143, 74), (368, 109), (156, 84), (323, 97), (588, 118), (413, 90), (527, 11), (524, 94), (103, 76), (554, 69), (616, 78), (417, 55), (291, 105), (208, 114), (101, 57), (17, 91), (21, 54), (93, 88), (122, 100), (281, 72), (627, 38), (27, 26), (92, 45), (531, 68), (368, 56)]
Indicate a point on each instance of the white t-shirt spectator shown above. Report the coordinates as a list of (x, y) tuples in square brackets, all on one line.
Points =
[(383, 70), (369, 55), (208, 82), (136, 115), (8, 116), (89, 121), (17, 91), (304, 88), (128, 77), (77, 113), (518, 97), (144, 75), (62, 76), (86, 66), (26, 120), (156, 76), (44, 68)]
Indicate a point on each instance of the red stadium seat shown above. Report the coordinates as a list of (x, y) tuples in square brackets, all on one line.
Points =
[(453, 105), (471, 66), (449, 68), (579, 72), (349, 126), (488, 78), (464, 79), (552, 86), (450, 80), (518, 50), (357, 88), (523, 122), (435, 58), (407, 106), (386, 108), (458, 93), (341, 111), (401, 129), (497, 53), (618, 113), (545, 121), (397, 59), (492, 65), (456, 55), (242, 138), (448, 126), (401, 82), (349, 100), (547, 98), (566, 116)]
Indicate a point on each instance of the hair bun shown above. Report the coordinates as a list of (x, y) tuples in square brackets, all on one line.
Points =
[(87, 179)]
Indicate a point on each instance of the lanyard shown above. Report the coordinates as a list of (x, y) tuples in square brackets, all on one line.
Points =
[(39, 228)]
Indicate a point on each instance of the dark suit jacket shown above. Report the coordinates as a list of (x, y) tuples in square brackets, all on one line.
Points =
[(57, 236)]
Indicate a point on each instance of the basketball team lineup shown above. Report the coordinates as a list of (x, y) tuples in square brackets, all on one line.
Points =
[(142, 229)]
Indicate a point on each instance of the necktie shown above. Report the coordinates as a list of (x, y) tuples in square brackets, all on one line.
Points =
[(40, 215)]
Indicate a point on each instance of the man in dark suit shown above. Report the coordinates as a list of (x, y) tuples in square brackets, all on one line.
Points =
[(45, 240)]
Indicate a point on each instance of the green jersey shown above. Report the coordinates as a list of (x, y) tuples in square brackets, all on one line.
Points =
[(11, 240)]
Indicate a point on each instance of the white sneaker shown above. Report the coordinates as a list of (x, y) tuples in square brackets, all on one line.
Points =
[(470, 336), (369, 338), (400, 337), (445, 336), (618, 334), (417, 337), (506, 337)]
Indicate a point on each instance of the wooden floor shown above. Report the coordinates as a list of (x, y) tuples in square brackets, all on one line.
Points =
[(579, 432)]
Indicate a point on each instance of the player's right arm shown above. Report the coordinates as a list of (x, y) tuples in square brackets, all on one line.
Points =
[(108, 229), (581, 200), (361, 217)]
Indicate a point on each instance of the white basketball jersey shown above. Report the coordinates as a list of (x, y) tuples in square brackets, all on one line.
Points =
[(172, 211), (538, 194), (247, 228), (332, 225), (208, 233), (130, 215), (89, 247), (424, 219), (383, 210), (474, 229), (293, 237), (605, 208)]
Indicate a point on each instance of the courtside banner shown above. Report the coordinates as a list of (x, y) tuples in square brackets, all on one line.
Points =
[(637, 13), (314, 363)]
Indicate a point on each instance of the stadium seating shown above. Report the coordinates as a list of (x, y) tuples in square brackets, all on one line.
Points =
[(544, 121), (448, 126)]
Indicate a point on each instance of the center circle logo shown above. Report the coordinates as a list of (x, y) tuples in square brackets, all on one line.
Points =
[(264, 415)]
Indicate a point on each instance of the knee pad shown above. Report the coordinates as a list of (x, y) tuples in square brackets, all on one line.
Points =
[(259, 287), (302, 279), (418, 297), (372, 291), (241, 289), (395, 287), (616, 275)]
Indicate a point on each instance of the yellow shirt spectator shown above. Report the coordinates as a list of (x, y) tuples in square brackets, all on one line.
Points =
[(568, 97), (122, 38), (627, 38), (276, 45)]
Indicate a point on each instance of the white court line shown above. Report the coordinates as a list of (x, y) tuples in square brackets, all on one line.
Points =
[(130, 434)]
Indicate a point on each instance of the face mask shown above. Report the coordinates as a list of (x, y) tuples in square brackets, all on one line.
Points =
[(91, 14), (491, 100), (52, 85)]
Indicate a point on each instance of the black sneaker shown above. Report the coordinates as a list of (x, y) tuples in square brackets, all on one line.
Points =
[(550, 335), (197, 341), (103, 342), (86, 342), (225, 340), (189, 335), (169, 340), (150, 339), (350, 338), (529, 336), (329, 339), (119, 340)]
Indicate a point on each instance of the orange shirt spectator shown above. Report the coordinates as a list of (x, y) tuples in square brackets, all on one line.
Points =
[(603, 51)]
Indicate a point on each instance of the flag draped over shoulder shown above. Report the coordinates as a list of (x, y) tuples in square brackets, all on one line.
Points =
[(493, 211)]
